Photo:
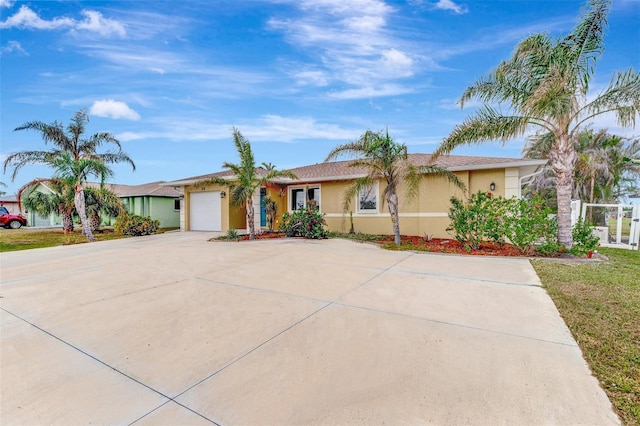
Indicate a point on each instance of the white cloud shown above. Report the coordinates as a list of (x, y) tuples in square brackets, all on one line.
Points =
[(450, 5), (93, 22), (14, 46), (371, 92), (275, 128), (27, 18), (266, 128), (6, 3), (113, 109), (311, 78), (351, 43)]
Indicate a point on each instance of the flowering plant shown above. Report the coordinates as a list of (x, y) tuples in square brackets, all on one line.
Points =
[(307, 223)]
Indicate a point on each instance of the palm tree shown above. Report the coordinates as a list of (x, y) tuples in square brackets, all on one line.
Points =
[(60, 200), (102, 201), (248, 178), (603, 168), (73, 157), (384, 159), (544, 86)]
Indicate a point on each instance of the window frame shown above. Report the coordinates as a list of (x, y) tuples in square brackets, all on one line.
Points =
[(375, 188), (303, 188)]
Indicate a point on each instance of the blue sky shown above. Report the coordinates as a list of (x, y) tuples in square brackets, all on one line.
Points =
[(170, 79)]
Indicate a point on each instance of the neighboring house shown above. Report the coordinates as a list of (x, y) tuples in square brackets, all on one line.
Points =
[(150, 199), (11, 203), (207, 207)]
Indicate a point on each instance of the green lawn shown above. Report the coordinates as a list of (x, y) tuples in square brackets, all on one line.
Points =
[(600, 302), (25, 238), (626, 226)]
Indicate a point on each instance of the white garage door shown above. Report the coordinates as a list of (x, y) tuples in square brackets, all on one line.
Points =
[(205, 211)]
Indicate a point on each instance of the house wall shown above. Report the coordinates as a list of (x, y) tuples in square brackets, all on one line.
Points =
[(279, 196), (427, 213), (163, 209), (159, 208)]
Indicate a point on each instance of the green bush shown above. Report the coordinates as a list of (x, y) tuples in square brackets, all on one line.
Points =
[(307, 223), (478, 219), (584, 240), (134, 226), (528, 223)]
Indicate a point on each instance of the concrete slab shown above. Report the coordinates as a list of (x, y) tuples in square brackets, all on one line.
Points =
[(172, 414), (353, 366), (174, 329), (45, 381), (519, 310)]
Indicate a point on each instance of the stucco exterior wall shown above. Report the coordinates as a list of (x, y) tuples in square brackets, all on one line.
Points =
[(427, 213), (159, 208)]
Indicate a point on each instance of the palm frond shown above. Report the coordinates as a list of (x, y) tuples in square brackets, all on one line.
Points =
[(486, 125), (351, 149), (18, 160), (622, 96)]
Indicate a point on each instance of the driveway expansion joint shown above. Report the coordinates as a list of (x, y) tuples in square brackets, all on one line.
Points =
[(72, 346)]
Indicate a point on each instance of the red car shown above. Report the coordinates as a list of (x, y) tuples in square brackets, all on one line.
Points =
[(13, 221)]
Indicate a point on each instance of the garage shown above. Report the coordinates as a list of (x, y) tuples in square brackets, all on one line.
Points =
[(204, 211)]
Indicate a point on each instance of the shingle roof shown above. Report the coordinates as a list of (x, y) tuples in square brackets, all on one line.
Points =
[(154, 189), (340, 170)]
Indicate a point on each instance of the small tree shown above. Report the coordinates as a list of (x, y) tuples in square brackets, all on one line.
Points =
[(247, 178), (384, 159), (73, 157), (271, 209), (60, 200)]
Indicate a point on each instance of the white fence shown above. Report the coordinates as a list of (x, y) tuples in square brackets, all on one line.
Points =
[(617, 225)]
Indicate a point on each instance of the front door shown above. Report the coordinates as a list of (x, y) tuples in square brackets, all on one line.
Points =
[(263, 208)]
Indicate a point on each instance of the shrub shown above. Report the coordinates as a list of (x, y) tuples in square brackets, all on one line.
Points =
[(232, 235), (479, 218), (528, 222), (271, 210), (307, 223), (135, 226), (584, 240)]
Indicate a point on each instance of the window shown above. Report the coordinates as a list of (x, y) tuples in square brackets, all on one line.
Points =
[(305, 197), (176, 204), (368, 199)]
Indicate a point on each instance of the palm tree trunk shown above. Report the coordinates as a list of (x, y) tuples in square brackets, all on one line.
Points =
[(94, 221), (563, 158), (392, 202), (82, 212), (250, 216), (67, 221)]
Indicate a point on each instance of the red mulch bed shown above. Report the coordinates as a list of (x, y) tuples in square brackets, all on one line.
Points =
[(442, 245), (264, 236)]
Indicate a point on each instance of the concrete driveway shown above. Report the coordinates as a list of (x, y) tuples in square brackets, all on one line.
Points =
[(173, 329)]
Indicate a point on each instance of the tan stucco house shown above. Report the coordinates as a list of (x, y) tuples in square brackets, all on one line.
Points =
[(207, 207)]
